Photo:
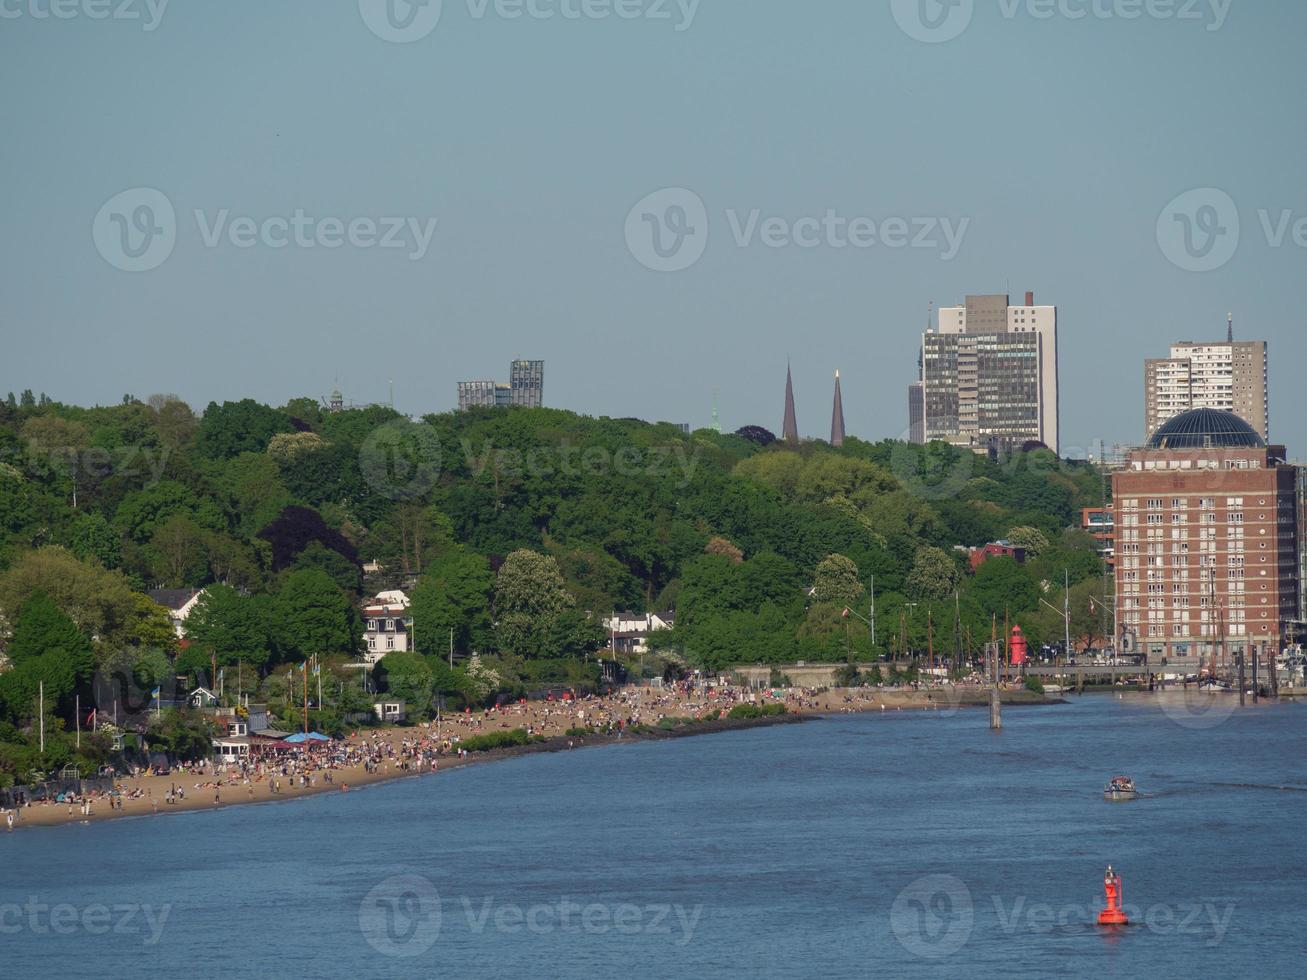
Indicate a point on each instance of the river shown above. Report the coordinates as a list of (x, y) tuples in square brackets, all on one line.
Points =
[(895, 845)]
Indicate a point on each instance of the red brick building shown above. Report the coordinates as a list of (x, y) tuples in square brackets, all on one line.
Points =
[(1207, 549), (995, 549)]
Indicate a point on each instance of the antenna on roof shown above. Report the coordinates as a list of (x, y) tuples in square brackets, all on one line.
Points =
[(1229, 329)]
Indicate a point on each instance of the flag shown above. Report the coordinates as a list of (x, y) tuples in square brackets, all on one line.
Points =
[(845, 614), (317, 669), (155, 694), (221, 674), (303, 665)]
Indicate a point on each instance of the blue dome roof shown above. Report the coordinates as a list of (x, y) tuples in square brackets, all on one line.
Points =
[(1206, 428)]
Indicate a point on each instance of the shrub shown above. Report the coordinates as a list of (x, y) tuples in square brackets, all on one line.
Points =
[(750, 711), (1035, 684), (496, 740)]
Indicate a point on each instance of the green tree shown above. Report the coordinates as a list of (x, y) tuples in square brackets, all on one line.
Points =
[(837, 581), (408, 677), (314, 615), (529, 597), (1001, 584), (1031, 538), (178, 549), (232, 428), (93, 538), (41, 627), (453, 595), (934, 575), (231, 626)]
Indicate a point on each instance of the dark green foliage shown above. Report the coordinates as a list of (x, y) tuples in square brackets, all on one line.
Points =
[(617, 514), (233, 428), (496, 740), (756, 711)]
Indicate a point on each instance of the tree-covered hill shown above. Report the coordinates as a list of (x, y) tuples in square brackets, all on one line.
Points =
[(517, 530)]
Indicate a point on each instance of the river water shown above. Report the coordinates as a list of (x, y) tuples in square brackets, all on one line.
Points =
[(895, 845)]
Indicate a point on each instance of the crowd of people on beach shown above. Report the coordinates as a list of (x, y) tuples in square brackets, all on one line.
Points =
[(420, 749)]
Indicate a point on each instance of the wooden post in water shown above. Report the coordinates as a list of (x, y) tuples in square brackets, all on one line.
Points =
[(995, 706), (1254, 646), (1242, 694), (1275, 673)]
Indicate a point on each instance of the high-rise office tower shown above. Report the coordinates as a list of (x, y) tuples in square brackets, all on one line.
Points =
[(989, 375), (525, 388), (527, 380), (1207, 525), (1228, 376), (916, 413)]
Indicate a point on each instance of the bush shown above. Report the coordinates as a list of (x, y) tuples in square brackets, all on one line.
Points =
[(750, 711), (1035, 684), (496, 740), (575, 732)]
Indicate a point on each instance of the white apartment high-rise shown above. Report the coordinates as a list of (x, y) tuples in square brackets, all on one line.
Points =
[(1229, 377), (989, 374)]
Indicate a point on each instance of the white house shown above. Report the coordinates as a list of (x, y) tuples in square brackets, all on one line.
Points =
[(179, 603), (387, 625), (629, 632), (390, 712)]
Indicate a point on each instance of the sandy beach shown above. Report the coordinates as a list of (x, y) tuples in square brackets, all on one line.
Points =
[(423, 751)]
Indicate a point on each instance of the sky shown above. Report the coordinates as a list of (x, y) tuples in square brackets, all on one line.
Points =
[(665, 200)]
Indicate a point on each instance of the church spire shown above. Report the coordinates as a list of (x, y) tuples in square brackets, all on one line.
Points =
[(837, 416), (790, 428)]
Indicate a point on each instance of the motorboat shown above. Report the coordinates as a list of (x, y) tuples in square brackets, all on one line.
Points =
[(1120, 789)]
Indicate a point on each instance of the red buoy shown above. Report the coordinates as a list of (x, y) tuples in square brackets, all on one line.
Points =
[(1112, 915)]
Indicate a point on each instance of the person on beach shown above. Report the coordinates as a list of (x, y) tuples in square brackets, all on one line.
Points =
[(9, 819)]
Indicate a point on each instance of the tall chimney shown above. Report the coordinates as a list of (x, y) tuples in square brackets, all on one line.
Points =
[(1030, 299)]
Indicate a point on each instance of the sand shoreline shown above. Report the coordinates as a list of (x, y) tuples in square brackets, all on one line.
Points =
[(353, 778)]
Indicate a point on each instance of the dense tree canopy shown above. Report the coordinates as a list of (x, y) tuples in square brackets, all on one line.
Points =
[(513, 531)]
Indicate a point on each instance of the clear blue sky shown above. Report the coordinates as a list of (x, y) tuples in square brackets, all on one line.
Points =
[(1060, 140)]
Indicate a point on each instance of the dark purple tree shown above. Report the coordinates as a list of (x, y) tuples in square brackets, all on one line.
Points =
[(756, 434), (295, 529)]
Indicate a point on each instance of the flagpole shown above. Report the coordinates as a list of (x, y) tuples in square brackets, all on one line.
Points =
[(41, 686), (304, 673), (77, 711)]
